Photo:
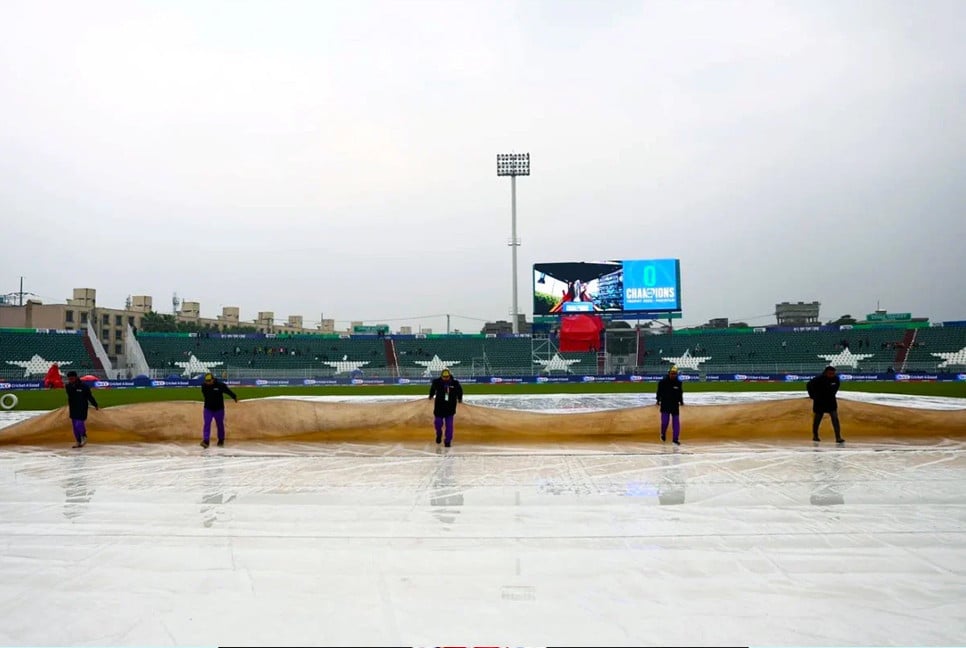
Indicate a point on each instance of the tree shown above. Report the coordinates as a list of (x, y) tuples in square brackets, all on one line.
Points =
[(844, 320), (158, 323)]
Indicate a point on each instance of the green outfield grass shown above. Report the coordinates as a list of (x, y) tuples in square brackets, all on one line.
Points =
[(46, 400)]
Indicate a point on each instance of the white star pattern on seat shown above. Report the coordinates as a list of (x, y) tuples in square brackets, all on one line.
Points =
[(435, 365), (845, 358), (557, 363), (952, 358), (37, 365), (345, 365), (687, 361), (196, 366)]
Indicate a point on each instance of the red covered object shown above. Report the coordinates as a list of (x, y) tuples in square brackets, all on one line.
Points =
[(53, 379), (579, 333)]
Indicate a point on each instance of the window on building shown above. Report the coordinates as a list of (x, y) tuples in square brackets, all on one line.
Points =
[(105, 319), (118, 320), (118, 334), (83, 318), (69, 316), (130, 320), (118, 349), (105, 335)]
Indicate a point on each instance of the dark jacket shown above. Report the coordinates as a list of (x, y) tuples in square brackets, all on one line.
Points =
[(79, 396), (670, 394), (821, 390), (215, 395), (448, 393)]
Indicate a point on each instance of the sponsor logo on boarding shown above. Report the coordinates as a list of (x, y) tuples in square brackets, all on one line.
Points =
[(102, 384), (495, 379), (403, 381), (917, 377), (794, 378), (636, 378), (158, 383), (356, 381), (309, 381), (5, 386), (958, 377), (588, 379), (542, 379), (754, 377)]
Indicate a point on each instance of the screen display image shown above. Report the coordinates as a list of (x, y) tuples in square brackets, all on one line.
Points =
[(607, 287), (652, 285)]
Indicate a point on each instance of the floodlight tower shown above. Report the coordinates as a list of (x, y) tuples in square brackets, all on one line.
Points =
[(513, 165)]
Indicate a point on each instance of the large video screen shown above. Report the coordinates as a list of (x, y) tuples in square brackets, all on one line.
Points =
[(634, 286)]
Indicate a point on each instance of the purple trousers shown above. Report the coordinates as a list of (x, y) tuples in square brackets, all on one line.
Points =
[(438, 424), (675, 424), (219, 417), (80, 429)]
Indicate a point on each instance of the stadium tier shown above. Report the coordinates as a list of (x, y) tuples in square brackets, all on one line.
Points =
[(184, 355), (27, 353), (945, 346), (463, 354), (508, 356), (874, 349)]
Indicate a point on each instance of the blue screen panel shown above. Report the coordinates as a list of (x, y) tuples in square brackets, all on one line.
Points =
[(652, 285)]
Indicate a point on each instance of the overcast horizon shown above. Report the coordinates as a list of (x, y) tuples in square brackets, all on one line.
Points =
[(339, 158)]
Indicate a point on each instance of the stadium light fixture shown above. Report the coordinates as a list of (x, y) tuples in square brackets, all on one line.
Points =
[(513, 165)]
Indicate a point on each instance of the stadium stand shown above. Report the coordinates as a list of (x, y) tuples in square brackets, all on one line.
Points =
[(463, 354), (775, 351), (37, 349), (940, 347), (27, 353), (171, 352), (508, 356)]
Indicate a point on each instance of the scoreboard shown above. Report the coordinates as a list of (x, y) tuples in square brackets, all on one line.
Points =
[(634, 286)]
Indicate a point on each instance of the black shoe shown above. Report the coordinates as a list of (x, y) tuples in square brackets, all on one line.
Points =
[(83, 442), (448, 444), (77, 445), (439, 438), (815, 439), (840, 440), (663, 438), (676, 442), (221, 443), (204, 444)]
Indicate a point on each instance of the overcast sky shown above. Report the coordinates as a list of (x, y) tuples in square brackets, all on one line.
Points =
[(339, 157)]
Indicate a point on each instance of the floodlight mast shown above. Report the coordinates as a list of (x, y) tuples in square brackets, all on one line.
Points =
[(513, 165)]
